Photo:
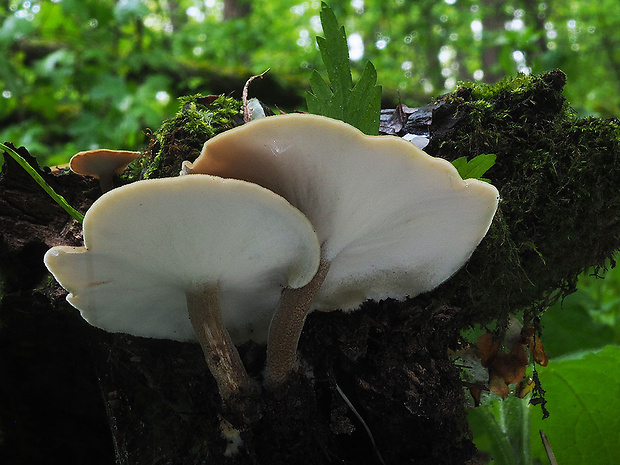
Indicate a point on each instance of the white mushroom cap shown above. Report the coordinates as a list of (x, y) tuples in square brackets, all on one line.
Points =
[(149, 243), (392, 220)]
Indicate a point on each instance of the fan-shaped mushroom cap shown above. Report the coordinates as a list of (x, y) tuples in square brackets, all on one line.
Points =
[(102, 164), (96, 162), (150, 243), (392, 220)]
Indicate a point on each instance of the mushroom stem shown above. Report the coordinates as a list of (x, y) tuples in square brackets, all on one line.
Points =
[(106, 182), (221, 355), (287, 324)]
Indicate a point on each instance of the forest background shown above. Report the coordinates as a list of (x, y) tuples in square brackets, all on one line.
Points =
[(82, 74)]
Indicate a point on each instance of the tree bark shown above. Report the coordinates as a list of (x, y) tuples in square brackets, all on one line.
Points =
[(557, 177)]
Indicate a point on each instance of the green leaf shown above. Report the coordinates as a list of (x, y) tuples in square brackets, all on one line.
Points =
[(583, 395), (335, 52), (322, 92), (476, 167), (321, 102), (359, 106), (365, 102), (569, 327), (502, 429)]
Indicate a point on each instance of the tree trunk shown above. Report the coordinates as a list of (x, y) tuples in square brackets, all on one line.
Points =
[(78, 394), (236, 9)]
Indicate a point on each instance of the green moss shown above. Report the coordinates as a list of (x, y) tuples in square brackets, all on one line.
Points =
[(558, 177), (181, 138), (516, 85)]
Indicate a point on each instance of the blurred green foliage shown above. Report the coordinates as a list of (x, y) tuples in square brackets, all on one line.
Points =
[(75, 75), (589, 319)]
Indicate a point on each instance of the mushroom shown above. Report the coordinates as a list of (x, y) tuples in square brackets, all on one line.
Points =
[(393, 222), (186, 258), (102, 164)]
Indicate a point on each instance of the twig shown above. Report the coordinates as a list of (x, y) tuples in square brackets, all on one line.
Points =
[(359, 417), (547, 447), (244, 96)]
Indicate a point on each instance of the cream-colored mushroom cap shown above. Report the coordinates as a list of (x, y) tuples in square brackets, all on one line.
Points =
[(102, 161), (149, 244), (392, 220)]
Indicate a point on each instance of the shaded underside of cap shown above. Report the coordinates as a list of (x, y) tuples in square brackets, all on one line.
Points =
[(392, 220)]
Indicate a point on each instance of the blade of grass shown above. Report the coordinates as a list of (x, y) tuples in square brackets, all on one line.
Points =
[(60, 200)]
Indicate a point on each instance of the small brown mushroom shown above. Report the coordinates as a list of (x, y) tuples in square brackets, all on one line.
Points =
[(102, 164)]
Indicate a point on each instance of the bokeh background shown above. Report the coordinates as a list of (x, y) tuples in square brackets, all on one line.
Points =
[(81, 74)]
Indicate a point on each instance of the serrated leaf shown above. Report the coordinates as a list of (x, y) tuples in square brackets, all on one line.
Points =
[(319, 101), (359, 106), (369, 123), (313, 103), (476, 167), (365, 84), (335, 52), (320, 87), (362, 110)]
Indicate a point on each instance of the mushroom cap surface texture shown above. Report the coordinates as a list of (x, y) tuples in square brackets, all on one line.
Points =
[(392, 220), (148, 243), (101, 161)]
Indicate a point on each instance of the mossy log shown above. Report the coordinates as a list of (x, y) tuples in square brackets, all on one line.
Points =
[(77, 393)]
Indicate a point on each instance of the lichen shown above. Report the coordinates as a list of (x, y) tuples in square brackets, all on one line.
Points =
[(181, 138), (558, 179)]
